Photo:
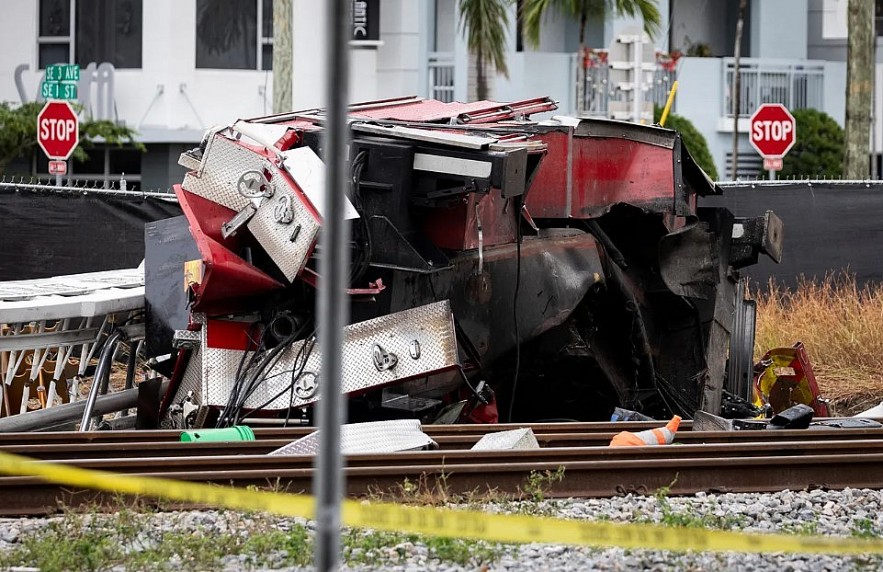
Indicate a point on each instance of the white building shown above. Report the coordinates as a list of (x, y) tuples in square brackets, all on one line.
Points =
[(181, 66)]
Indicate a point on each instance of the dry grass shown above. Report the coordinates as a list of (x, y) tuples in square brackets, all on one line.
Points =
[(841, 325)]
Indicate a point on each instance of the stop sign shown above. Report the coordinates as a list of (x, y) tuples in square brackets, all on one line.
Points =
[(773, 130), (58, 130)]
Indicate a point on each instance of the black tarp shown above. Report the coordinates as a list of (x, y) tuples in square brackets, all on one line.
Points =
[(829, 227), (49, 233)]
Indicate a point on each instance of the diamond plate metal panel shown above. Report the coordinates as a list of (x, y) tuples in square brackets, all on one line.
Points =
[(223, 164), (371, 437), (515, 439), (430, 326), (288, 243), (191, 380)]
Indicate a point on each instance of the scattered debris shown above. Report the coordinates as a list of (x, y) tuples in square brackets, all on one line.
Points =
[(783, 378), (795, 417), (507, 440), (620, 414), (367, 438), (661, 436), (235, 433), (876, 412)]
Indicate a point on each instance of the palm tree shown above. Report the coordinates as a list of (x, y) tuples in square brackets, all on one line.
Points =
[(533, 11), (484, 23)]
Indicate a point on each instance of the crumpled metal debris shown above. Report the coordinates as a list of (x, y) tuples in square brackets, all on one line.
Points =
[(515, 439), (367, 438)]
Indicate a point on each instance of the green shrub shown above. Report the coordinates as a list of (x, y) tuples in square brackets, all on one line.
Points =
[(818, 151), (692, 140)]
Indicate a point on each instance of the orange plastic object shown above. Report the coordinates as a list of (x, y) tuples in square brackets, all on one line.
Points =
[(662, 436)]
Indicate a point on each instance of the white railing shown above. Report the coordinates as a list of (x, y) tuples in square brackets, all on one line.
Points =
[(797, 84), (594, 91), (441, 76)]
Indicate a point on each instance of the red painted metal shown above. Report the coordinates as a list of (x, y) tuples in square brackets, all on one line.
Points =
[(229, 335), (607, 171), (582, 177), (227, 277), (456, 228), (548, 195)]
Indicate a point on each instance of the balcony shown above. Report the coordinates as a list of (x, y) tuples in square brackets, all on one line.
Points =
[(595, 92), (441, 76), (797, 85)]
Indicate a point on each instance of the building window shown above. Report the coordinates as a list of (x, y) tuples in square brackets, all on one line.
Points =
[(86, 31), (234, 34), (878, 17)]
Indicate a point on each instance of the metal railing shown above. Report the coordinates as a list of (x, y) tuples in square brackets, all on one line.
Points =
[(594, 92), (797, 85), (441, 76)]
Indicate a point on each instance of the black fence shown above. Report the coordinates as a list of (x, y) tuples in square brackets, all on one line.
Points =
[(830, 226), (45, 231)]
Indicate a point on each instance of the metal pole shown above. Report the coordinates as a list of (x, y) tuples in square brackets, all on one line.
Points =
[(772, 175), (333, 265), (57, 180)]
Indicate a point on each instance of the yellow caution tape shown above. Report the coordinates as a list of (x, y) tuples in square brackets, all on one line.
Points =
[(445, 522)]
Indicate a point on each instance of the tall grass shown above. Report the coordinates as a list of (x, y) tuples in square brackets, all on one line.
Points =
[(841, 325)]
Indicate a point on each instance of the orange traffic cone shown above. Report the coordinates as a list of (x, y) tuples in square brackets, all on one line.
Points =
[(662, 436)]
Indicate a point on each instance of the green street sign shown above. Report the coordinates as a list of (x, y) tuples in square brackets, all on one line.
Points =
[(63, 72), (54, 90)]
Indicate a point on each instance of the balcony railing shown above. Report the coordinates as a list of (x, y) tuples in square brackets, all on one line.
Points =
[(594, 92), (797, 85), (441, 76)]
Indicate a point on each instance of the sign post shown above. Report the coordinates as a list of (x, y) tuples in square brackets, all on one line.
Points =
[(58, 133), (773, 132)]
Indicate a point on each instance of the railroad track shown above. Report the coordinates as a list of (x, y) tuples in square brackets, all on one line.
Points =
[(739, 461)]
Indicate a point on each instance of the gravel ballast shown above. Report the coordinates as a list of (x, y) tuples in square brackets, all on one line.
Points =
[(849, 513)]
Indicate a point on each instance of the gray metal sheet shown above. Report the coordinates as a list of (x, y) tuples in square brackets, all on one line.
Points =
[(211, 371), (367, 438), (289, 244), (516, 439), (222, 165), (431, 326)]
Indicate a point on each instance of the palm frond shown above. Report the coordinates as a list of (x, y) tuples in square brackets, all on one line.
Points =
[(534, 11), (485, 23), (648, 10)]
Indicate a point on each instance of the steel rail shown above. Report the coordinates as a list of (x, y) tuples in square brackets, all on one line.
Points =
[(582, 478), (292, 433), (270, 463), (57, 448)]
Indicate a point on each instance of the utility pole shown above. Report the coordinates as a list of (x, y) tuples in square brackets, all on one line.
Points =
[(737, 85), (859, 75), (282, 54)]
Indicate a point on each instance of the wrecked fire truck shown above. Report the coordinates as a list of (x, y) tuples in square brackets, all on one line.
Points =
[(502, 269)]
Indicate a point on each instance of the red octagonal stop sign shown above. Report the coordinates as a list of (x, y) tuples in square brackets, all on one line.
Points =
[(773, 130), (58, 130)]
